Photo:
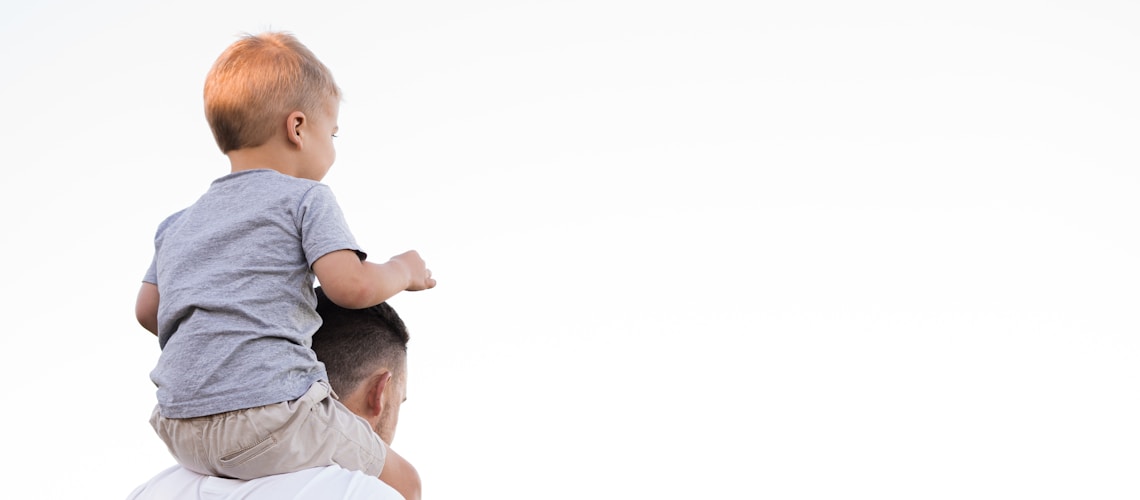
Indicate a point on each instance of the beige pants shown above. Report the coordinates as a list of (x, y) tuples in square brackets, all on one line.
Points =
[(315, 430)]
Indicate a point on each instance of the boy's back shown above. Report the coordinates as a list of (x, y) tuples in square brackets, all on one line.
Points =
[(237, 311)]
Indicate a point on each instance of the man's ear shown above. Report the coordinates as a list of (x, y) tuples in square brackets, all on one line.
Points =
[(294, 124), (376, 392)]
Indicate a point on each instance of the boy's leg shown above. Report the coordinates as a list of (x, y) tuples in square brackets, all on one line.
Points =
[(295, 435), (359, 449), (400, 474), (313, 431), (352, 442), (256, 442), (182, 438)]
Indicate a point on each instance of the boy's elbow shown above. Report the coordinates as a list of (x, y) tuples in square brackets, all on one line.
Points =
[(151, 326), (146, 307), (350, 295), (147, 320)]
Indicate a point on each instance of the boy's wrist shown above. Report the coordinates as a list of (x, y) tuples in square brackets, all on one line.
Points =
[(405, 272)]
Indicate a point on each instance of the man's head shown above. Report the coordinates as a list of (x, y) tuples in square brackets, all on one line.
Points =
[(365, 354), (257, 82)]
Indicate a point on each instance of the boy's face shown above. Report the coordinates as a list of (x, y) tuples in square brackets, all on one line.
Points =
[(319, 150)]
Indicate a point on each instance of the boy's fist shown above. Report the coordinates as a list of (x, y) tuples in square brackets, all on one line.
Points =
[(419, 276)]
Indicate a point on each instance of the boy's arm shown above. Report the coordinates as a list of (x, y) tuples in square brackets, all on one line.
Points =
[(146, 307), (355, 284)]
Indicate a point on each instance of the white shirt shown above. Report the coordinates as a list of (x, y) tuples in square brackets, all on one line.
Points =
[(320, 483)]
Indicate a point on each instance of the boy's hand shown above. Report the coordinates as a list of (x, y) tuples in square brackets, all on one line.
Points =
[(419, 276), (355, 284)]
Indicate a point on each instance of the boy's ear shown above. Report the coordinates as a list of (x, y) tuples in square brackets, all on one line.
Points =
[(294, 123)]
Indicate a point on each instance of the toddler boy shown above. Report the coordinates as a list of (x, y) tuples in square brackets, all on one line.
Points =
[(229, 292)]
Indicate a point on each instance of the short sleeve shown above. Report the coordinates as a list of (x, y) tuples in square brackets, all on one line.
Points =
[(323, 227), (151, 275)]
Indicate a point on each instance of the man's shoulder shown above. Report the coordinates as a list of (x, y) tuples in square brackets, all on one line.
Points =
[(170, 480), (334, 482)]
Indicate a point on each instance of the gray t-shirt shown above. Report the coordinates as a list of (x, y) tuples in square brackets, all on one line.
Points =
[(237, 310)]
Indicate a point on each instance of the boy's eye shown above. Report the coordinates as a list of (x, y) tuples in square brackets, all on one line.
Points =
[(334, 136)]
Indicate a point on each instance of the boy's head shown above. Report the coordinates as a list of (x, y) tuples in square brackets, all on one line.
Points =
[(257, 82)]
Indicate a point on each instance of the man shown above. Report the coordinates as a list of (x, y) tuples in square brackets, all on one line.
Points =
[(365, 355)]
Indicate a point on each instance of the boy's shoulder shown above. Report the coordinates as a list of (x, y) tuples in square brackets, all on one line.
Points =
[(250, 187), (262, 176), (170, 219), (264, 185)]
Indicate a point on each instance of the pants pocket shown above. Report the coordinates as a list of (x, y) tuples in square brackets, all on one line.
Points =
[(240, 457)]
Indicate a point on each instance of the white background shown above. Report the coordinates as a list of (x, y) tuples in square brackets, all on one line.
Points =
[(719, 249)]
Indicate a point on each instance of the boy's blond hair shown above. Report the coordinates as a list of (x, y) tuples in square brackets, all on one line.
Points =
[(258, 81)]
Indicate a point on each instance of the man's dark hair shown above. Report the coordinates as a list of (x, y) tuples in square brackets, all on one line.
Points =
[(354, 342)]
